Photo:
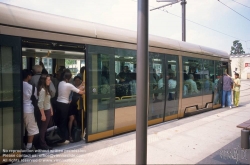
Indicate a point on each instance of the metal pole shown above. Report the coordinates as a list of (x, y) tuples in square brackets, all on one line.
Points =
[(142, 81), (183, 3)]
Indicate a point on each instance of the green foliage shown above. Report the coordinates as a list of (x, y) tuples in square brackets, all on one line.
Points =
[(237, 48), (69, 62)]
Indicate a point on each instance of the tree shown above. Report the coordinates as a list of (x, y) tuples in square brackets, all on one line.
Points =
[(241, 65), (237, 48), (69, 62)]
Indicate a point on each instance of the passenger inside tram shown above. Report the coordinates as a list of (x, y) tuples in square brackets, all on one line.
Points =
[(185, 75), (207, 84), (123, 87), (132, 84), (155, 86), (105, 87), (64, 90), (217, 89), (191, 85), (171, 86), (74, 107), (124, 75)]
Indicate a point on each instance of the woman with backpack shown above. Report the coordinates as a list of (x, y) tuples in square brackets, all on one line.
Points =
[(45, 107)]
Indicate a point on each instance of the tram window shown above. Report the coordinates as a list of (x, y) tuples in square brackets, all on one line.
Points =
[(74, 65), (192, 69), (24, 59), (208, 76), (125, 72), (217, 80), (46, 63)]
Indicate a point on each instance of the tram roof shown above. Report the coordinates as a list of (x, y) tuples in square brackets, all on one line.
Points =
[(26, 18)]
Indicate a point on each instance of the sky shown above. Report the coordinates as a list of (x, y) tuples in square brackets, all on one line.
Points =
[(201, 17)]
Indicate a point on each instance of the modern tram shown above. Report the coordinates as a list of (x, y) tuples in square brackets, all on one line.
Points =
[(182, 76)]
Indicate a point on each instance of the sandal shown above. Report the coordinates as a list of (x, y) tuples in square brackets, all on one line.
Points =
[(70, 139)]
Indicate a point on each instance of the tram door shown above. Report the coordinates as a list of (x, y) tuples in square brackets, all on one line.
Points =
[(157, 85), (100, 92), (10, 95), (172, 87)]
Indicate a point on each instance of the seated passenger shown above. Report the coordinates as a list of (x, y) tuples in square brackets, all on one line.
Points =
[(192, 87)]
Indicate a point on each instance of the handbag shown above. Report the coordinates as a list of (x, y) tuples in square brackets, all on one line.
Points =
[(53, 135), (76, 134)]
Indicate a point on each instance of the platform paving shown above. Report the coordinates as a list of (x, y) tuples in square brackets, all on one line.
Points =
[(208, 138)]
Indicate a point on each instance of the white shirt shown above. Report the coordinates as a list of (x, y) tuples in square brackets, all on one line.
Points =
[(44, 100), (64, 90), (27, 103), (171, 84)]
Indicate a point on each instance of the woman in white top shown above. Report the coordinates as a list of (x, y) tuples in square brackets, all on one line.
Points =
[(64, 90), (44, 105)]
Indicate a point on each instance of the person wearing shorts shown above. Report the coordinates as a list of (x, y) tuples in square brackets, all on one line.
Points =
[(28, 109)]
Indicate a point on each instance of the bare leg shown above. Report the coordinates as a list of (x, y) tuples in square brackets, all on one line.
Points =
[(71, 119)]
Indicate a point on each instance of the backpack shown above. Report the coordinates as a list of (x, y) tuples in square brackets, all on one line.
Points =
[(37, 113)]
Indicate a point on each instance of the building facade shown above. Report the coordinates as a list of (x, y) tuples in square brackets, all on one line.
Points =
[(241, 64)]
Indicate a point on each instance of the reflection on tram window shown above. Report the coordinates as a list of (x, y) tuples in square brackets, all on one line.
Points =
[(198, 77), (171, 86), (208, 76), (217, 88), (192, 76), (125, 80), (172, 81), (156, 86), (24, 59)]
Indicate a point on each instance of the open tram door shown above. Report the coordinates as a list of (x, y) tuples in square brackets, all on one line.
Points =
[(220, 68), (55, 57)]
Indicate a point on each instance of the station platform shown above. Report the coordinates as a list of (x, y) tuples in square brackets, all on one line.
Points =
[(208, 138)]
